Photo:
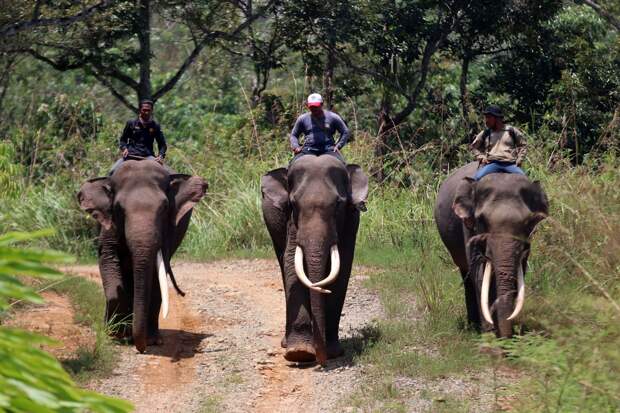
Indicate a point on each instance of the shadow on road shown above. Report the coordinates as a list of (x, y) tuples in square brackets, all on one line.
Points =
[(178, 344)]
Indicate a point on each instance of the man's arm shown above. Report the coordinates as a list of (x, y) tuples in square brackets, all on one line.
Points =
[(123, 141), (520, 146), (295, 134), (161, 142), (476, 147), (344, 132)]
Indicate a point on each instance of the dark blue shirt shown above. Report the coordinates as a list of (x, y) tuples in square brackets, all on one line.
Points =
[(138, 138), (319, 132)]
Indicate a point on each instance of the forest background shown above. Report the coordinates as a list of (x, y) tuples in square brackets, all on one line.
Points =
[(410, 78)]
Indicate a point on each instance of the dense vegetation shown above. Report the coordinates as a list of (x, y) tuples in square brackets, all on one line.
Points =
[(410, 78)]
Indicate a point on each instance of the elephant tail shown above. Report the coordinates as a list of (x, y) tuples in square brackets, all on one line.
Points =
[(174, 281)]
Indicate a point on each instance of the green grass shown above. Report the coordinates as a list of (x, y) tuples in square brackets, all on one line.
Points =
[(211, 404), (88, 303)]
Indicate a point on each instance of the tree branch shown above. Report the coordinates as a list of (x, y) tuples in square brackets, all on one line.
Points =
[(611, 19), (11, 30), (114, 92), (209, 37)]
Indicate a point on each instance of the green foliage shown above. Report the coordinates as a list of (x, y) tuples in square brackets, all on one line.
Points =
[(33, 381), (10, 172)]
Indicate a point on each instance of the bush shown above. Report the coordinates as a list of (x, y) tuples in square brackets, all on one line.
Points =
[(31, 379)]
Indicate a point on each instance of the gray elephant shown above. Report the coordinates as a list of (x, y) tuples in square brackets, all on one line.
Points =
[(312, 213), (486, 226), (143, 211)]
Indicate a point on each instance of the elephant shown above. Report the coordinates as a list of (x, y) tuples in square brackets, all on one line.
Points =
[(486, 227), (143, 211), (312, 213)]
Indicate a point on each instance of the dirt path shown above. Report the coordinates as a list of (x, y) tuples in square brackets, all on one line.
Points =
[(222, 350)]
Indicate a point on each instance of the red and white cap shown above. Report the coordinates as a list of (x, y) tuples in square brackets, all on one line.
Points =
[(315, 100)]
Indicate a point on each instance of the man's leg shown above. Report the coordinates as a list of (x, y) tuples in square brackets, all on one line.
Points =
[(335, 155), (513, 169), (489, 168), (304, 151), (116, 165)]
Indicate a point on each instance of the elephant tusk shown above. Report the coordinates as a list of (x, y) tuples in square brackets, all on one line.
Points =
[(163, 284), (335, 268), (299, 270), (520, 294), (484, 295)]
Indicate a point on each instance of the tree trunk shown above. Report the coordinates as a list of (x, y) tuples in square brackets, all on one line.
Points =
[(328, 77), (385, 125), (144, 37), (463, 88), (5, 78)]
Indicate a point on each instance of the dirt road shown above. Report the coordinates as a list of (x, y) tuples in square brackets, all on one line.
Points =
[(222, 350)]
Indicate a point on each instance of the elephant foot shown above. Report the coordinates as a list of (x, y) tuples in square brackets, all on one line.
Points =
[(334, 350), (154, 340), (283, 342), (300, 353)]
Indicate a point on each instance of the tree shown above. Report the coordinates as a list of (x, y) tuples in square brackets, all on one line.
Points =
[(604, 11), (316, 30), (393, 45), (262, 44), (115, 45)]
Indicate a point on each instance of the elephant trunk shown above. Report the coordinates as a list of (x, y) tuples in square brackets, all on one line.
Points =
[(507, 268), (316, 257), (143, 266)]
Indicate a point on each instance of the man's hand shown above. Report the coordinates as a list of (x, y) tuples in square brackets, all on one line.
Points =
[(296, 150), (159, 159), (125, 152)]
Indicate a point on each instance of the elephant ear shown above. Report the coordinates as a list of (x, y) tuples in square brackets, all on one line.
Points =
[(536, 200), (95, 197), (274, 188), (359, 186), (463, 205), (187, 191)]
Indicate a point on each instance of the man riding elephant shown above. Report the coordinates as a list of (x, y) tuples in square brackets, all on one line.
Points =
[(500, 147), (487, 226), (318, 127), (139, 135), (312, 212), (143, 211)]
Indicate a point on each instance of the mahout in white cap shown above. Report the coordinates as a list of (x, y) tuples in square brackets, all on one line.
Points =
[(315, 100)]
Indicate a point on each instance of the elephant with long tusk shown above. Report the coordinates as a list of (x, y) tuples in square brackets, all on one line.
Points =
[(312, 214), (486, 226), (143, 210)]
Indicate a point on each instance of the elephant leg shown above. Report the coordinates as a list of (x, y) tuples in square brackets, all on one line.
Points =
[(287, 323), (335, 301), (471, 299), (333, 310), (117, 297), (152, 329)]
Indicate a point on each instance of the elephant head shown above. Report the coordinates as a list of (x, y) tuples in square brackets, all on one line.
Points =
[(500, 213), (144, 212), (312, 213)]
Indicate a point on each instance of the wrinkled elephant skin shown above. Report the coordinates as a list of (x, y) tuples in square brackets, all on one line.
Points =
[(312, 214), (489, 221), (144, 211)]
